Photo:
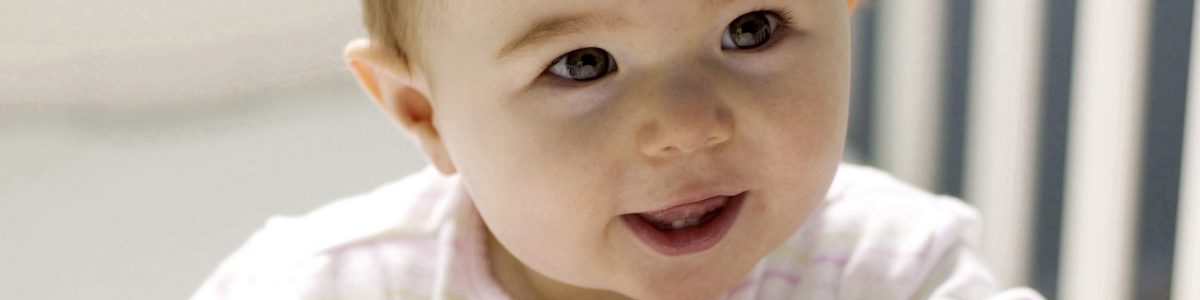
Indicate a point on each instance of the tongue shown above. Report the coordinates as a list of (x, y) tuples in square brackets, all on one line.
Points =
[(695, 209)]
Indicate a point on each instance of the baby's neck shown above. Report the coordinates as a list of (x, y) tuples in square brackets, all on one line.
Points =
[(520, 282)]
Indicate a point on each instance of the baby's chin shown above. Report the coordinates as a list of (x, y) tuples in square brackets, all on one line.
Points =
[(695, 281), (712, 285)]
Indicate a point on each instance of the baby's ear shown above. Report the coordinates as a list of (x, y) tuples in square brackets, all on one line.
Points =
[(402, 93)]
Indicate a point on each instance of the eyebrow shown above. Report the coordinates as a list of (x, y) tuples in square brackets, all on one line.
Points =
[(554, 27)]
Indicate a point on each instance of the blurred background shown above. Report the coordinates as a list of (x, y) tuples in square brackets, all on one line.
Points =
[(142, 142)]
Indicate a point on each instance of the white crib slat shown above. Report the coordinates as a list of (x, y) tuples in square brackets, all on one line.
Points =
[(1187, 236), (1002, 130), (1104, 149), (908, 88)]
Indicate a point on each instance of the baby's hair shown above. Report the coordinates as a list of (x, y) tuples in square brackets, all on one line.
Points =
[(391, 24)]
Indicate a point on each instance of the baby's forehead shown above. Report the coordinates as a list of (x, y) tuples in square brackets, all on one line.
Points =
[(497, 15), (475, 34), (540, 20)]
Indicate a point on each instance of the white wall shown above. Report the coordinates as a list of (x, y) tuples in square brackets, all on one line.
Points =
[(142, 142), (144, 206)]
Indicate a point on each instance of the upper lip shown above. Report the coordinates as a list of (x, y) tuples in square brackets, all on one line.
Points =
[(695, 192)]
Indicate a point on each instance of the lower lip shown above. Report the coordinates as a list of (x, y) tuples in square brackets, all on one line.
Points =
[(687, 240)]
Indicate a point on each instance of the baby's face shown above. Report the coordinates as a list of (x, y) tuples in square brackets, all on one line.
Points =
[(652, 148)]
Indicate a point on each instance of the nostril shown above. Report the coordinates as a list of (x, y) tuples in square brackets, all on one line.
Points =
[(677, 149), (715, 140)]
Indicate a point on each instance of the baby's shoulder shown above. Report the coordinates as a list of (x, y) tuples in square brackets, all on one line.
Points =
[(340, 249), (870, 201)]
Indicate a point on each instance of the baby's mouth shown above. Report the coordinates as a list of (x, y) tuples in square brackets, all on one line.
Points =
[(685, 229), (686, 216)]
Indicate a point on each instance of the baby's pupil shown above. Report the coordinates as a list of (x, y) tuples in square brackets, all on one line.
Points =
[(749, 27), (588, 59)]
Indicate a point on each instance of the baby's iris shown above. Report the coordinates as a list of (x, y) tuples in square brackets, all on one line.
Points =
[(583, 65), (750, 30)]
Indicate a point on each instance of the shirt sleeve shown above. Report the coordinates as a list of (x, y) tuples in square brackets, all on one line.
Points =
[(961, 274)]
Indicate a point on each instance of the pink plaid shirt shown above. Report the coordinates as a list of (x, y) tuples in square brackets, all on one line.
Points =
[(873, 237)]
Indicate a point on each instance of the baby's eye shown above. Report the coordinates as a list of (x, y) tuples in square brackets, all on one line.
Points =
[(750, 30), (583, 64)]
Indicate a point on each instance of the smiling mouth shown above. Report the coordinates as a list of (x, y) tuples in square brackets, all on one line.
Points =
[(686, 229)]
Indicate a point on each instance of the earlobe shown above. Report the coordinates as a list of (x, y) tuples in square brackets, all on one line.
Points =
[(389, 83)]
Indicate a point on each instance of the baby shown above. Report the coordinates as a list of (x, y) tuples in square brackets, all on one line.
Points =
[(581, 149)]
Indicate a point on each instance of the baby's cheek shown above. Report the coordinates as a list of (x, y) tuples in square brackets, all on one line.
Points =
[(549, 235)]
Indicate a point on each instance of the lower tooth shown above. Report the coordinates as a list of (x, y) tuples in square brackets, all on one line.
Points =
[(685, 222)]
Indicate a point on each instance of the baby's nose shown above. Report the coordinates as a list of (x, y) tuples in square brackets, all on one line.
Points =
[(685, 130), (682, 110)]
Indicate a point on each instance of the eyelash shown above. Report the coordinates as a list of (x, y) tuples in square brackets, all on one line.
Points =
[(786, 24)]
